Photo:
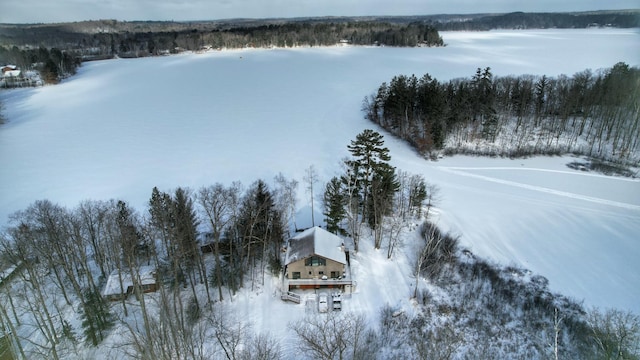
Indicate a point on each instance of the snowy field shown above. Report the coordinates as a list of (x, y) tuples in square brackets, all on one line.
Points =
[(120, 127)]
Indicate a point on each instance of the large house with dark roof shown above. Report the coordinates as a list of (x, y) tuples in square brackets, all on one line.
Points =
[(316, 258)]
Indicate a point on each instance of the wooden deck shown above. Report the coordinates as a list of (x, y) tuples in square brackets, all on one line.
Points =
[(342, 284)]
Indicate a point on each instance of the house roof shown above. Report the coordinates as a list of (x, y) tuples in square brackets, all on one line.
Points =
[(8, 68), (315, 241), (11, 73), (147, 277)]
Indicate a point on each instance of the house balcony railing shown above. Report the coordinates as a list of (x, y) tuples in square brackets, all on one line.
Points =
[(319, 282)]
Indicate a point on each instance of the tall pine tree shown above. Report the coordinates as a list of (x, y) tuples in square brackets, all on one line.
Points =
[(370, 160)]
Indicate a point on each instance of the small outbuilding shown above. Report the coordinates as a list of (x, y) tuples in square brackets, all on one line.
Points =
[(121, 284), (10, 71)]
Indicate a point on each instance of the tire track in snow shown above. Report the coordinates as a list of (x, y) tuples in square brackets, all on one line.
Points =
[(458, 171), (541, 170)]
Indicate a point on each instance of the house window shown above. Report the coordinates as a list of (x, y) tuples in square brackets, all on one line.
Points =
[(296, 274), (335, 274), (315, 261)]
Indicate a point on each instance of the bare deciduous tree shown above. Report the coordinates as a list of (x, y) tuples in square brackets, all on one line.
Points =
[(284, 194), (217, 203), (230, 333), (394, 224), (32, 290), (439, 249), (262, 347), (352, 204), (310, 178), (433, 198), (615, 333), (334, 336), (440, 343)]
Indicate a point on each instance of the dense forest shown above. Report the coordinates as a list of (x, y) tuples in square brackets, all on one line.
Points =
[(520, 20), (97, 39), (56, 51), (592, 113), (61, 259), (105, 39)]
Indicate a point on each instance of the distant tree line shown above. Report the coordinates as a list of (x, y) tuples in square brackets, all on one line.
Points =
[(591, 113), (57, 50), (108, 39), (64, 35), (24, 44), (521, 20)]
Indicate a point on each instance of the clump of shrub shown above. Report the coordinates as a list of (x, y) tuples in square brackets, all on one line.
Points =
[(497, 306), (602, 167)]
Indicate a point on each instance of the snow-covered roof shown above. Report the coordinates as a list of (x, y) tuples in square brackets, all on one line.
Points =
[(11, 73), (315, 241), (7, 272), (147, 277)]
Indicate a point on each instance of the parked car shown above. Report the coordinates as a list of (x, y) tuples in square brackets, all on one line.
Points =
[(323, 303), (337, 301)]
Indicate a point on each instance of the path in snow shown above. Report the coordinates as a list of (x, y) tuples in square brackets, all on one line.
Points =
[(457, 171)]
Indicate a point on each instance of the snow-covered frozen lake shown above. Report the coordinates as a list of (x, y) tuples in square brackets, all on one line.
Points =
[(120, 127)]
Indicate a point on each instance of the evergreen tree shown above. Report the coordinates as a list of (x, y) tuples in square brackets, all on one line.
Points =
[(96, 317), (369, 161), (368, 155), (131, 244), (50, 73), (334, 203), (431, 104), (184, 235), (130, 237), (217, 203), (185, 229), (384, 185), (540, 94), (483, 103), (161, 219), (417, 194), (269, 226), (260, 227)]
